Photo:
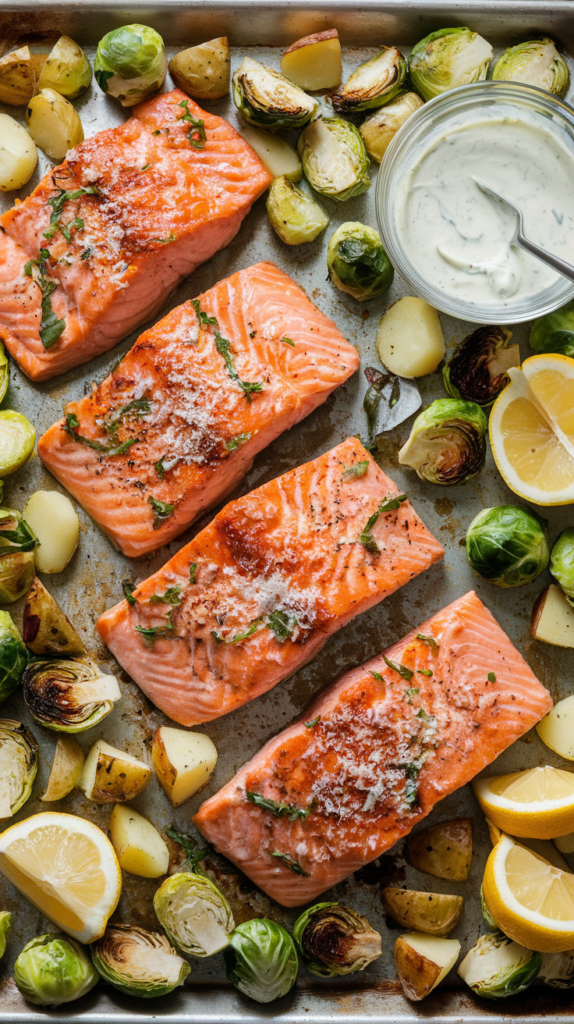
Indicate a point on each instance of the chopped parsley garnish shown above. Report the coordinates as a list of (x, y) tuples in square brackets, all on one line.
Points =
[(406, 673), (312, 723), (85, 255), (412, 772), (77, 224), (236, 442), (411, 692), (424, 671), (50, 326), (491, 677), (238, 636), (58, 202), (161, 510), (145, 167), (159, 468), (192, 572), (359, 469), (151, 633), (282, 624), (366, 536), (207, 321), (288, 341), (430, 640), (421, 713), (71, 425), (279, 810), (377, 676), (138, 405), (290, 863), (196, 135), (128, 588), (193, 852), (171, 596), (222, 346)]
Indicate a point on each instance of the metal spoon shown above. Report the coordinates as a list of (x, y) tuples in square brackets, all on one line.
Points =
[(566, 269)]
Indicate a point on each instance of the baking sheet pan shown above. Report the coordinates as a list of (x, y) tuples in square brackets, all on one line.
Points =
[(92, 581)]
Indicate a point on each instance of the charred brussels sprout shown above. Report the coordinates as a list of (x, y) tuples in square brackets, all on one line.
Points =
[(5, 924), (555, 331), (506, 545), (334, 158), (447, 443), (497, 967), (557, 970), (130, 63), (476, 371), (357, 262), (69, 696), (294, 216), (536, 62), (54, 969), (261, 960), (19, 754), (138, 962), (16, 575), (373, 84), (562, 563), (333, 939), (382, 126), (448, 58), (13, 656), (194, 914), (269, 100)]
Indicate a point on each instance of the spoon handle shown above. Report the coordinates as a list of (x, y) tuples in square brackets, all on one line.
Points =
[(566, 269)]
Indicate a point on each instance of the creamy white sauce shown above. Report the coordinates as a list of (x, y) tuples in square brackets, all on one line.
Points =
[(457, 237)]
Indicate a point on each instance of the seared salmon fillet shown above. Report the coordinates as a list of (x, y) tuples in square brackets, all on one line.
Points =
[(104, 238), (374, 754), (257, 593), (178, 401)]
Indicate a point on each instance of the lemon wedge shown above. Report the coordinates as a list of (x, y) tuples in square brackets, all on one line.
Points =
[(67, 868), (530, 900), (534, 804), (532, 433)]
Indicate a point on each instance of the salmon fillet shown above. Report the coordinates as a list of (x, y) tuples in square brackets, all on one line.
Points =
[(192, 430), (128, 214), (272, 577), (374, 754)]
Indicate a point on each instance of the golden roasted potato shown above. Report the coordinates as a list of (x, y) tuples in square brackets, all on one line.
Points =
[(430, 912), (66, 769), (139, 847), (112, 776), (443, 850), (203, 71), (553, 618), (66, 69), (17, 77), (53, 123), (55, 522), (422, 961), (314, 62), (380, 128), (410, 341), (184, 762), (18, 154), (45, 628)]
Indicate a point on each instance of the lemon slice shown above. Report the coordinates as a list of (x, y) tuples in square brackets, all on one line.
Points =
[(531, 901), (534, 462), (67, 868), (535, 804), (551, 381)]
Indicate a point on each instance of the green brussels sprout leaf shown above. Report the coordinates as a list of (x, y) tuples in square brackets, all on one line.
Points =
[(536, 62), (333, 939), (555, 331), (267, 99), (476, 371), (293, 215), (54, 969), (334, 157), (448, 58), (261, 960), (507, 545), (497, 967), (357, 261), (373, 83), (138, 962), (447, 443), (130, 63)]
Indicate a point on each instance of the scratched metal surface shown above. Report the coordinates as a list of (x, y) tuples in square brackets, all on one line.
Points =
[(91, 583)]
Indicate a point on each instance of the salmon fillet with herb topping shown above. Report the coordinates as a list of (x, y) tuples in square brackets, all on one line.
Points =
[(105, 237), (178, 422), (256, 594), (374, 754)]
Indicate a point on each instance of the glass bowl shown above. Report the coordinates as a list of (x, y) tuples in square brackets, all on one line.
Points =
[(401, 156)]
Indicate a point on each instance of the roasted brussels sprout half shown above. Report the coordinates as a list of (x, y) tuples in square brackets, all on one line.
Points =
[(69, 696), (447, 442), (357, 262), (333, 939), (45, 628), (67, 69), (334, 158), (557, 970), (554, 332), (269, 100), (15, 533), (194, 914), (562, 563), (13, 656), (497, 967), (130, 63), (448, 58), (373, 83), (16, 575), (138, 962), (261, 960), (54, 969), (476, 371), (19, 755), (382, 126), (17, 440), (536, 62), (5, 924), (506, 545), (295, 217)]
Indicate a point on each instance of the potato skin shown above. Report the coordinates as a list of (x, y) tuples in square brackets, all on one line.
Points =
[(66, 769), (443, 850), (315, 37), (429, 912), (203, 71), (117, 780), (417, 974), (17, 77)]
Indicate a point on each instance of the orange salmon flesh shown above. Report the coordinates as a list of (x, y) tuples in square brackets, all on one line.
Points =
[(256, 594), (374, 754), (179, 425)]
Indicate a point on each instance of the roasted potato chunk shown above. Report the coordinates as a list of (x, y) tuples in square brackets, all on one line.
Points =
[(430, 912), (314, 62), (112, 776), (66, 769), (422, 961), (53, 123), (17, 77), (203, 71), (18, 154), (139, 847), (184, 762), (443, 850)]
